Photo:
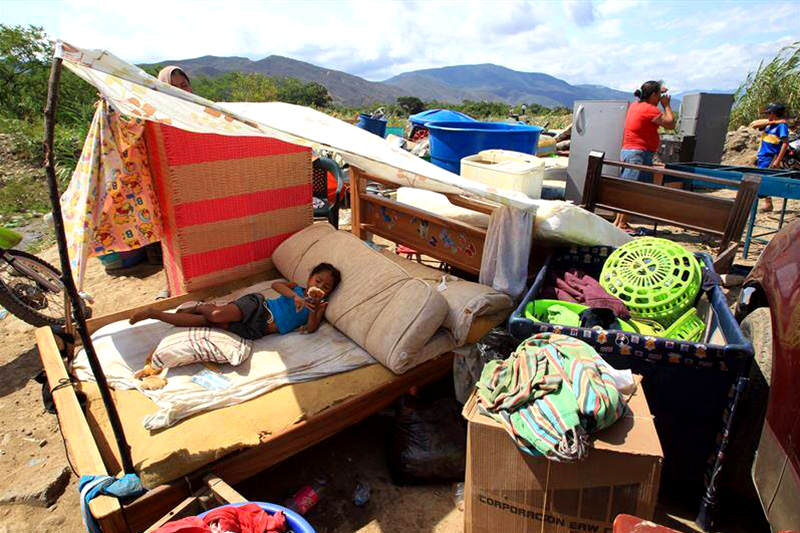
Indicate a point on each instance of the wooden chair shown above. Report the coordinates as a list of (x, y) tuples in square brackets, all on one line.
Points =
[(712, 215)]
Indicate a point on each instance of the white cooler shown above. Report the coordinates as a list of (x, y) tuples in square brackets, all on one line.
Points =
[(504, 169)]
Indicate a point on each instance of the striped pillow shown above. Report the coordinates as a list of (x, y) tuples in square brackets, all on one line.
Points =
[(201, 345)]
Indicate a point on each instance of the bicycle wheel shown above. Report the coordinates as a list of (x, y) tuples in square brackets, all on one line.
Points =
[(25, 297)]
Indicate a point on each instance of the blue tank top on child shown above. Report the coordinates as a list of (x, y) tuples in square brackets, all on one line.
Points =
[(286, 317)]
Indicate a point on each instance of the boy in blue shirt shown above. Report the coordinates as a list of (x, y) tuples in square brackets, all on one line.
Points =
[(774, 141)]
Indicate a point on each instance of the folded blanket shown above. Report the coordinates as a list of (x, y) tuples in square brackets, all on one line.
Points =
[(549, 395)]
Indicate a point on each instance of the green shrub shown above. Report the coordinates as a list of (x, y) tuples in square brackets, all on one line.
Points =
[(776, 81)]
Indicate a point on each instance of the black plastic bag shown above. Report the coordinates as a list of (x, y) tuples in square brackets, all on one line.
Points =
[(497, 344), (468, 362), (428, 441)]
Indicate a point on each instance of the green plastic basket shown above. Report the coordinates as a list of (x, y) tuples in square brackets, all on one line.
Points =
[(656, 278), (689, 327), (539, 307)]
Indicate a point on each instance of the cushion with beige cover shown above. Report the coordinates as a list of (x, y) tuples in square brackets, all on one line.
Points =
[(378, 304), (466, 301)]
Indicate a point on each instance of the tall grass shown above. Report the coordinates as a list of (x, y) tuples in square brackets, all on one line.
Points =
[(776, 81)]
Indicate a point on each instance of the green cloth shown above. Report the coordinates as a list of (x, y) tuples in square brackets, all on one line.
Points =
[(560, 315), (549, 395)]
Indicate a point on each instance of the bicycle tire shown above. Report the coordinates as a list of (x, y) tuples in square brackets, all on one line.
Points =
[(17, 307)]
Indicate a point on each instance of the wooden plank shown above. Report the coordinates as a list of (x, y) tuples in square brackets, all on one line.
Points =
[(244, 464), (594, 171), (675, 173), (83, 452), (737, 219), (224, 492), (358, 186), (173, 513), (678, 207)]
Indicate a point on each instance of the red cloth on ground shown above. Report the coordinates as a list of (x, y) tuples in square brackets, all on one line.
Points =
[(248, 518), (577, 286), (641, 133)]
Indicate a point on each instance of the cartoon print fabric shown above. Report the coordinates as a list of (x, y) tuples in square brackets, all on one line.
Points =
[(110, 205)]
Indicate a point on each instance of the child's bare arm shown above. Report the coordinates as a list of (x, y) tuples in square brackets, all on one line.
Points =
[(315, 317), (287, 289)]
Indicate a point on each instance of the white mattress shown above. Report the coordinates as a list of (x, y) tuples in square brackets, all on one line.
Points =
[(276, 360)]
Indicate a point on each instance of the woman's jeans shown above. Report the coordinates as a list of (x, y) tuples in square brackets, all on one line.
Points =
[(637, 157)]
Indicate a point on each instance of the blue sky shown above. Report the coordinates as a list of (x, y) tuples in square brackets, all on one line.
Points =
[(619, 43)]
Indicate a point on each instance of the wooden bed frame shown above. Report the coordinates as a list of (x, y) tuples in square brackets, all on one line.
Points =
[(377, 215)]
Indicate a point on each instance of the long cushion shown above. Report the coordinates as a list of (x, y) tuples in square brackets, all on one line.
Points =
[(466, 300), (378, 304)]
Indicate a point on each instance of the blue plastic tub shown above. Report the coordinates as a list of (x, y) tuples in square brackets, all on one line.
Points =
[(452, 141), (439, 115), (117, 260), (372, 125), (296, 522)]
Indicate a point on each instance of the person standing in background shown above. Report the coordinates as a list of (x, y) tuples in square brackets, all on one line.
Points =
[(640, 140), (176, 77), (774, 141)]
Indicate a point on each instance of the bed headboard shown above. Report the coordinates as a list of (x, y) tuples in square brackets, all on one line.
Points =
[(226, 202), (453, 242)]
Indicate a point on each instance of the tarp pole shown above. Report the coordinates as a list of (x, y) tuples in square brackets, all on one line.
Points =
[(66, 269)]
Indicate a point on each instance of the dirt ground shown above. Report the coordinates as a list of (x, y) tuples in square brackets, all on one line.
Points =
[(34, 466)]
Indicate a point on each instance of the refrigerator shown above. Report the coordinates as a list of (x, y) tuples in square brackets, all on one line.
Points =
[(596, 125), (705, 116)]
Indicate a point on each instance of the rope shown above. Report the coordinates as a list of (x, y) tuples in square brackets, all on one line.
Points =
[(546, 491)]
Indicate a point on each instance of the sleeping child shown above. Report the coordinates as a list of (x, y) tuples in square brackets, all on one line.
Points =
[(252, 316)]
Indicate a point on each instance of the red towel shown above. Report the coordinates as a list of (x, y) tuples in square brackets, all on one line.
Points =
[(579, 287), (248, 518)]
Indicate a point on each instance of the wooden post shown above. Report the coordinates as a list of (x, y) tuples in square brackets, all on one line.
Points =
[(358, 184), (594, 172), (66, 269), (745, 196)]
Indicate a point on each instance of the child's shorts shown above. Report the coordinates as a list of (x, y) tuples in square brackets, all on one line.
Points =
[(255, 317)]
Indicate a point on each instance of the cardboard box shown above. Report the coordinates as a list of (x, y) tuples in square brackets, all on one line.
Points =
[(509, 491)]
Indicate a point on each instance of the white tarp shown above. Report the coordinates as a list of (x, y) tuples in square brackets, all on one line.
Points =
[(135, 93)]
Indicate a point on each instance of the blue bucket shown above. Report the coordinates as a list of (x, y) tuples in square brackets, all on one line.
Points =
[(372, 125), (296, 522), (452, 141)]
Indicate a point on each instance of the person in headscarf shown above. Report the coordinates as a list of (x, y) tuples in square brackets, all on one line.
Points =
[(176, 77)]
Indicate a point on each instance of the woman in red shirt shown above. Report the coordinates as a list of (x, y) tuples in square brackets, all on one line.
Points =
[(640, 140)]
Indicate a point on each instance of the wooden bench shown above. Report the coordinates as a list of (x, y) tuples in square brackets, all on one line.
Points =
[(721, 217)]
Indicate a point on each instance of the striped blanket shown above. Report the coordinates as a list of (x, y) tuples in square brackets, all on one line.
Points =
[(549, 395)]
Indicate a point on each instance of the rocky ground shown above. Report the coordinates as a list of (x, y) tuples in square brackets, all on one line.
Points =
[(38, 491)]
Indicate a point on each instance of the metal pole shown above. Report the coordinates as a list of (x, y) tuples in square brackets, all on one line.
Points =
[(69, 283)]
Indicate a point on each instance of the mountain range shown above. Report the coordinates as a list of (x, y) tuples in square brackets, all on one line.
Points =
[(448, 84)]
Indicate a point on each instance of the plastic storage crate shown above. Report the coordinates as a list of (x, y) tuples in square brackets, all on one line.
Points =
[(689, 385)]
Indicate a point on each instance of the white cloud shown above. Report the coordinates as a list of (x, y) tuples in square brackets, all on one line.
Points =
[(614, 43), (581, 12)]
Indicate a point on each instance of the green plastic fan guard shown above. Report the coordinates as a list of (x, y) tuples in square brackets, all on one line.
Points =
[(656, 278), (689, 327)]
